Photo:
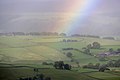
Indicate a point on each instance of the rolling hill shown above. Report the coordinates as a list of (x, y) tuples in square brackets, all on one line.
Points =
[(50, 48)]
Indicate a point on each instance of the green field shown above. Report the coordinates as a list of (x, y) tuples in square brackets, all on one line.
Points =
[(82, 74), (50, 48), (33, 50), (55, 74)]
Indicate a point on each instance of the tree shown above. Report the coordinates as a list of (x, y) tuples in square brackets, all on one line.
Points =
[(59, 65), (118, 49), (110, 64), (67, 67), (111, 50), (89, 46), (102, 68), (97, 65), (69, 54), (87, 51), (117, 63), (96, 45), (63, 34)]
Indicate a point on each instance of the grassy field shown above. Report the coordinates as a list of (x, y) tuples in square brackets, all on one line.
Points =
[(50, 48), (104, 76), (33, 50), (82, 74), (55, 74)]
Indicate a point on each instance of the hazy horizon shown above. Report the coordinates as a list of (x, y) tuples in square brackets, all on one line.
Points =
[(72, 17)]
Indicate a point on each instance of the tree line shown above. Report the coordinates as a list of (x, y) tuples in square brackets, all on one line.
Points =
[(78, 35), (33, 34)]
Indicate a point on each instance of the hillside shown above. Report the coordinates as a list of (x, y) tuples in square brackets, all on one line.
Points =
[(22, 49), (50, 48)]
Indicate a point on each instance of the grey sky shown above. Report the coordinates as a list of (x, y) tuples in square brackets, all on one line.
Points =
[(42, 15)]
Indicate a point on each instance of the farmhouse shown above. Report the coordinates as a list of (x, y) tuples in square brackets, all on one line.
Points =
[(114, 53)]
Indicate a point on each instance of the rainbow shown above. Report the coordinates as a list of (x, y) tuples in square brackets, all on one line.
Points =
[(78, 11)]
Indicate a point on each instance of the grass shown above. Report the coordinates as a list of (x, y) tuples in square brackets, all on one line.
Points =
[(50, 48), (32, 51), (82, 58), (104, 76), (81, 74), (14, 73)]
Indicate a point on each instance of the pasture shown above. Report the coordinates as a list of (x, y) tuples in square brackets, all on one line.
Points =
[(13, 73), (34, 50)]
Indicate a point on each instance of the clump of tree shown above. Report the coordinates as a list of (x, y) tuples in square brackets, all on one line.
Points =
[(103, 68), (69, 54), (110, 38), (96, 45), (89, 46), (63, 34), (92, 66), (110, 64), (87, 51), (114, 52), (68, 49), (61, 65), (67, 67), (46, 63), (111, 50), (115, 63)]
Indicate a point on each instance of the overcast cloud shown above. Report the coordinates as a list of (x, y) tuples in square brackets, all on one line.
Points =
[(42, 15)]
